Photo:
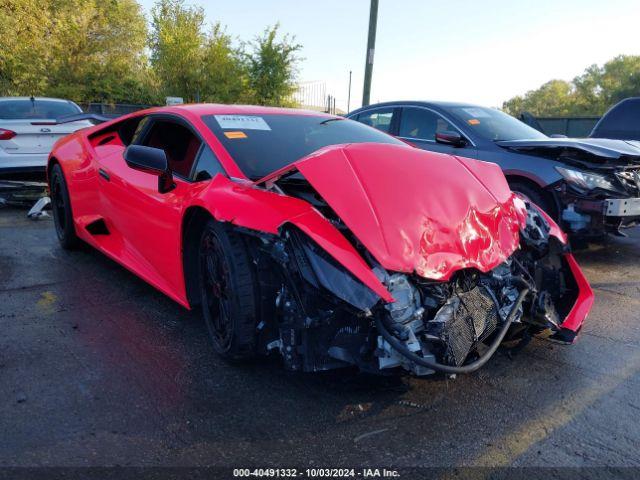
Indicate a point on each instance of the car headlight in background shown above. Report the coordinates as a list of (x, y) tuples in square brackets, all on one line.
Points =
[(588, 181)]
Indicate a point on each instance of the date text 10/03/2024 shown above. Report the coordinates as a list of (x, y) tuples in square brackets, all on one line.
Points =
[(317, 473)]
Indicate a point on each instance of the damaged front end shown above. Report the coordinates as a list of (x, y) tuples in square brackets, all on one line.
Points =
[(447, 319), (600, 199), (328, 319), (599, 190)]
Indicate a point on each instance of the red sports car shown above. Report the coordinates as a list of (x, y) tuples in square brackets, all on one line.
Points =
[(319, 238)]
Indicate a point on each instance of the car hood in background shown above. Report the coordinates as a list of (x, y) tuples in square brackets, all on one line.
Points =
[(416, 211), (593, 150)]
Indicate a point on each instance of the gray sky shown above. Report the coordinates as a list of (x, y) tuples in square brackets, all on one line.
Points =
[(477, 51)]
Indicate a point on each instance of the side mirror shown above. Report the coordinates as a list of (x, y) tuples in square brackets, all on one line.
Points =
[(450, 138), (151, 160)]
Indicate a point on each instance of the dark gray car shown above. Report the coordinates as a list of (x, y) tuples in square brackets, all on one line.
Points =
[(591, 186)]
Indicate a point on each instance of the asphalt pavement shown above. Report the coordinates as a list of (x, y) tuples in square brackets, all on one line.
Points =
[(99, 369)]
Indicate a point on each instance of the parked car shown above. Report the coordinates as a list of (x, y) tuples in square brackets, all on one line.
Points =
[(29, 126), (317, 237), (589, 186), (622, 121)]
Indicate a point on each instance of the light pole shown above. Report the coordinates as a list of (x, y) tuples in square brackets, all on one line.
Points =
[(371, 46), (349, 95)]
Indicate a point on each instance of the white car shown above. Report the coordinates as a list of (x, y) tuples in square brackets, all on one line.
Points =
[(29, 128)]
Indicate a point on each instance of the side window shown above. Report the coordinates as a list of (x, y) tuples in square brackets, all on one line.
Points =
[(131, 129), (422, 124), (380, 119), (207, 165), (120, 134), (178, 142)]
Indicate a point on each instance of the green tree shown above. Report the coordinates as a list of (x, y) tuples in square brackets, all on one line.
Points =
[(177, 47), (223, 70), (272, 68), (555, 97), (591, 93), (24, 27), (85, 50), (98, 51), (620, 78)]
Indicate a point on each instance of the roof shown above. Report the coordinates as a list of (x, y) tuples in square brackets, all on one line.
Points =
[(215, 108), (424, 103), (61, 100)]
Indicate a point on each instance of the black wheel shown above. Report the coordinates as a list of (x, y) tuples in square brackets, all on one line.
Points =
[(228, 292), (61, 207), (536, 195)]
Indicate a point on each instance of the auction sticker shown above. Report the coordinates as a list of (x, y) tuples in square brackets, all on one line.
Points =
[(242, 122)]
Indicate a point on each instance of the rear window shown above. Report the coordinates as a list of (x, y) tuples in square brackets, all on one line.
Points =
[(24, 109), (261, 144)]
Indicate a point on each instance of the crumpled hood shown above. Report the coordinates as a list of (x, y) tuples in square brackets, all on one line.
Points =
[(597, 150), (418, 211)]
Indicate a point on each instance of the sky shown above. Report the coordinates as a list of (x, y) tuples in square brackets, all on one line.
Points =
[(481, 52)]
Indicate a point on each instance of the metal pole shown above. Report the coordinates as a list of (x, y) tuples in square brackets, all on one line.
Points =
[(371, 45), (349, 95)]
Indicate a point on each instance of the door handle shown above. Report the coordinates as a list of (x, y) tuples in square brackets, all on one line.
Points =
[(103, 173)]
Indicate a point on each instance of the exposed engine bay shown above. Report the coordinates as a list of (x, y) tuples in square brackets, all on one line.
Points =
[(326, 318)]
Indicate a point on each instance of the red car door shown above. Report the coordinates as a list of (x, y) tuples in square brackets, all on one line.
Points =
[(144, 224)]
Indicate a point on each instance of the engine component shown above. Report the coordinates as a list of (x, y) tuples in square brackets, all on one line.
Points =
[(418, 361), (544, 311), (405, 315), (463, 322), (407, 300)]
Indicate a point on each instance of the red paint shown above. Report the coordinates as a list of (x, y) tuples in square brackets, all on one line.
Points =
[(246, 205), (415, 211), (584, 302), (6, 134)]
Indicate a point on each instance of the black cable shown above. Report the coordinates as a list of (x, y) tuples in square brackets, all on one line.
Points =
[(472, 367)]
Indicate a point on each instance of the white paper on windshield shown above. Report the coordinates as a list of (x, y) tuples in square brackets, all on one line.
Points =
[(242, 122), (476, 112)]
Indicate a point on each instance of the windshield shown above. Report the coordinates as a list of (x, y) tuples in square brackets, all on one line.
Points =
[(22, 109), (495, 125), (261, 144)]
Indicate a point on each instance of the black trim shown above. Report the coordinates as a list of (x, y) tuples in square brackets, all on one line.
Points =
[(104, 174)]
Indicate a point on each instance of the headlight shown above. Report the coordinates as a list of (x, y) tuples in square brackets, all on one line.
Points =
[(587, 181)]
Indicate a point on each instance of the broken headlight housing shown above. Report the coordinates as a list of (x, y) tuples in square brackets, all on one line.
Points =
[(585, 181)]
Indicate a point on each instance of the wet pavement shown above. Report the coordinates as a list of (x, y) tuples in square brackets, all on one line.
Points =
[(97, 368)]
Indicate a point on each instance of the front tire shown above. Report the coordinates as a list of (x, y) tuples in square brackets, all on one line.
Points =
[(228, 291), (61, 207)]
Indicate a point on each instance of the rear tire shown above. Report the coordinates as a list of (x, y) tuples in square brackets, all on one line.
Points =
[(536, 195), (228, 291), (61, 207)]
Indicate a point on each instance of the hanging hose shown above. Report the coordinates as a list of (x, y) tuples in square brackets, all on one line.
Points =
[(439, 367)]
